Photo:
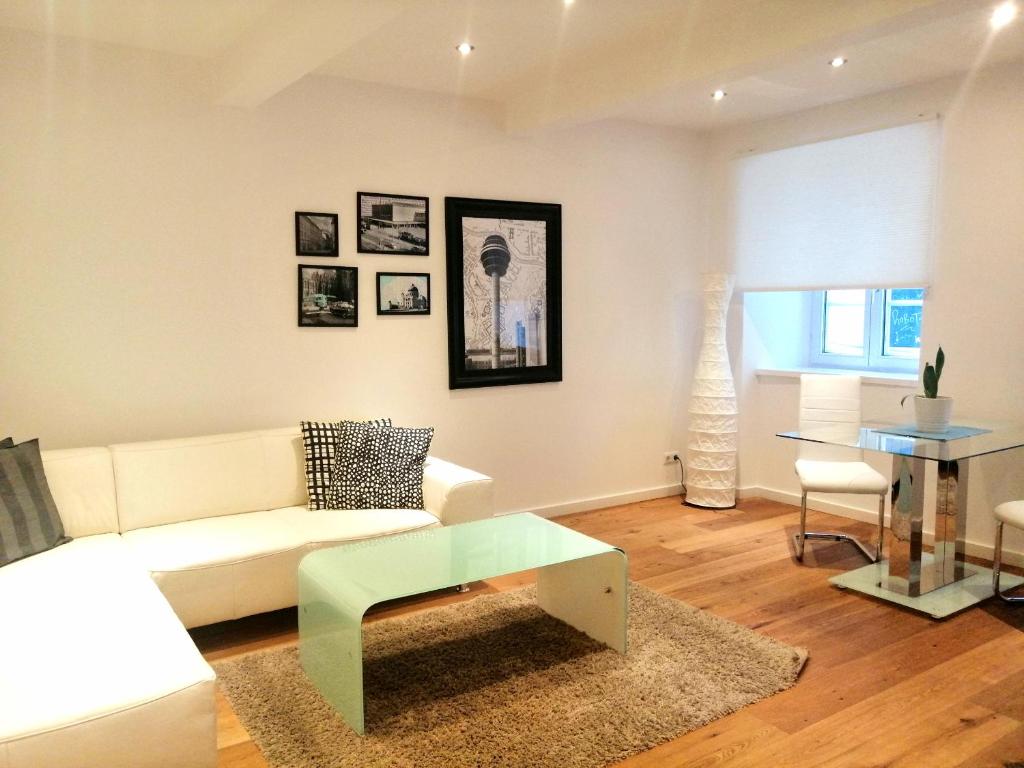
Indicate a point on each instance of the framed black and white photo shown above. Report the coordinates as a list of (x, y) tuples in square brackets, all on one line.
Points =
[(398, 225), (316, 234), (328, 296), (403, 293), (504, 292)]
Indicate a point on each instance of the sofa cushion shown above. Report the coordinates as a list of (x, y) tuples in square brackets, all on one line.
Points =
[(211, 541), (82, 483), (96, 641), (319, 439), (379, 467), (221, 568), (325, 527), (172, 481), (236, 565), (29, 520)]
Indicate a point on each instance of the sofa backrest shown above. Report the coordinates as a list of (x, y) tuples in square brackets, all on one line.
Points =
[(81, 481), (171, 481)]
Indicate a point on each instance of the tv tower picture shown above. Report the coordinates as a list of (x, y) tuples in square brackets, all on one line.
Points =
[(495, 258)]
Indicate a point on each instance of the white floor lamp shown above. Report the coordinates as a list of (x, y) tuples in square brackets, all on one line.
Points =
[(711, 447)]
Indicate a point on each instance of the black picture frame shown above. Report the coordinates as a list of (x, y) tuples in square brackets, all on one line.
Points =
[(373, 236), (328, 297), (417, 303), (516, 240), (310, 227)]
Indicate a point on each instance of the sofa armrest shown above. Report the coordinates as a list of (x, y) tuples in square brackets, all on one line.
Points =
[(454, 494)]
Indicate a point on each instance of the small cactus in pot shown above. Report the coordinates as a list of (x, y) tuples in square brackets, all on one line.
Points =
[(931, 410)]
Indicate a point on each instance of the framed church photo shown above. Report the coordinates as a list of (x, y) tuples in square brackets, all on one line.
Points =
[(504, 292), (403, 293)]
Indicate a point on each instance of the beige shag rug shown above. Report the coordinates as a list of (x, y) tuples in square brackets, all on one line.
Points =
[(497, 682)]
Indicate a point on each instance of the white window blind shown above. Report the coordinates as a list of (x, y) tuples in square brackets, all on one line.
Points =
[(854, 212)]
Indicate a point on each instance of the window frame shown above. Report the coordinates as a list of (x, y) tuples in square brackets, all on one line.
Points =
[(873, 358)]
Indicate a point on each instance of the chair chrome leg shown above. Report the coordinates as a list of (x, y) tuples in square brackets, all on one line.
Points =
[(997, 557), (801, 538), (804, 534), (881, 528)]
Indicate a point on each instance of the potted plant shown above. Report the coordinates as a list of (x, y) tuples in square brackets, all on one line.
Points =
[(932, 411)]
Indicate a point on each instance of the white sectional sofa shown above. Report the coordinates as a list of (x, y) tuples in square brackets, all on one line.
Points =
[(98, 670)]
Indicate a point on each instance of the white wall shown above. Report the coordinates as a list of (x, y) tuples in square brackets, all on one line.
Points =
[(973, 308), (148, 275)]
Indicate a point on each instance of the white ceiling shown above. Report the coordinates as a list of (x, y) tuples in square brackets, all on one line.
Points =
[(547, 63)]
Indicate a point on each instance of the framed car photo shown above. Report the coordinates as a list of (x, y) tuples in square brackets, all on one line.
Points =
[(504, 292), (328, 297)]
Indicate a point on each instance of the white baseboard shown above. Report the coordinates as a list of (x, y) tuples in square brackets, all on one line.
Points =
[(600, 502), (983, 550)]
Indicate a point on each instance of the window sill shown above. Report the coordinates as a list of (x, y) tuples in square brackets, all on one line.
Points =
[(877, 378)]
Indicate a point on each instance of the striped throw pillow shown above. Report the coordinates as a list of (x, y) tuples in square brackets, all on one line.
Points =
[(319, 439), (29, 521)]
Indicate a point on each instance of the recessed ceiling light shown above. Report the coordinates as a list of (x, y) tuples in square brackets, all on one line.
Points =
[(569, 2), (719, 95), (465, 48), (837, 62), (1003, 14)]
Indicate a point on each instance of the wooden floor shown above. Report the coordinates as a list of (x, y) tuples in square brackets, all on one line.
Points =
[(883, 687)]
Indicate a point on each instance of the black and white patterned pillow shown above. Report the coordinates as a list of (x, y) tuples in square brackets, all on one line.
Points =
[(379, 467), (319, 439)]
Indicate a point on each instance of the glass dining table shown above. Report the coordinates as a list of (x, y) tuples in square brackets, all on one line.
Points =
[(939, 582)]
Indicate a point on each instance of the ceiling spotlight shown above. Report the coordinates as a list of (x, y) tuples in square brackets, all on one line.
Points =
[(465, 48), (569, 2), (718, 95), (837, 62), (1003, 14)]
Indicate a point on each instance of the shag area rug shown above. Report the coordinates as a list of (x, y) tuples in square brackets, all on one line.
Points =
[(495, 681)]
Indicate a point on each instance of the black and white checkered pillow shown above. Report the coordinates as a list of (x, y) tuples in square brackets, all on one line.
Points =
[(379, 467), (319, 439)]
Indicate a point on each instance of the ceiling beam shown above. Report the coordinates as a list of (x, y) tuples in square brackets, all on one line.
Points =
[(719, 41), (294, 38)]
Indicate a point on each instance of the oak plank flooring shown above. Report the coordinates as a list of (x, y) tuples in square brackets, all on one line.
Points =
[(883, 687)]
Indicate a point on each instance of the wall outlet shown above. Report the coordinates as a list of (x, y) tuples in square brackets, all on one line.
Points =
[(671, 456)]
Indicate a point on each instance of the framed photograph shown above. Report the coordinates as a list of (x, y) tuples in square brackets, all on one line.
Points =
[(398, 225), (504, 292), (316, 234), (403, 293), (328, 297)]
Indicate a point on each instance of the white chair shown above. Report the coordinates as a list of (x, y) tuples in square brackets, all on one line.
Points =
[(830, 410), (1010, 513)]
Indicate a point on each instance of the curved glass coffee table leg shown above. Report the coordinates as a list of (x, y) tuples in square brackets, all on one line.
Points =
[(590, 594), (331, 648)]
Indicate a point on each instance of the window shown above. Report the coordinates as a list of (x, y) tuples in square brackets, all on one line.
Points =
[(874, 329)]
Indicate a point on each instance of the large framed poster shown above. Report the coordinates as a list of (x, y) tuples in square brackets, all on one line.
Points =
[(504, 292)]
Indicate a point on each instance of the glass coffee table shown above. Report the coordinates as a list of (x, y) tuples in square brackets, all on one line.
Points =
[(580, 580)]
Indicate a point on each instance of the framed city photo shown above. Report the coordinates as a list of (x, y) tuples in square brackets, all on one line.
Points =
[(328, 297), (398, 225), (504, 292), (316, 234), (403, 293)]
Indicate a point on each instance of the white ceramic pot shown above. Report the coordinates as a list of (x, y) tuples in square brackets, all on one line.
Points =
[(932, 413)]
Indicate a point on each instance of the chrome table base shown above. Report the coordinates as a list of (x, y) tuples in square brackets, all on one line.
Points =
[(975, 587), (939, 583)]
